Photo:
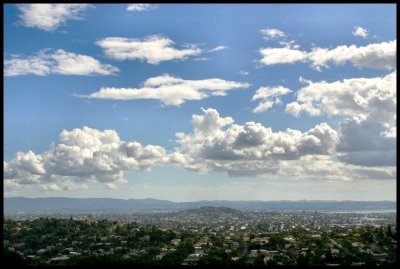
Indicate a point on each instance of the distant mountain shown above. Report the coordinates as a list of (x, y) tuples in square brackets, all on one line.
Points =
[(13, 204), (60, 204)]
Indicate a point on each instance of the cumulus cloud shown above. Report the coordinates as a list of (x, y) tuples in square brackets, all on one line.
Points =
[(82, 155), (269, 96), (61, 62), (373, 97), (218, 144), (152, 49), (378, 56), (359, 31), (49, 17), (140, 7), (362, 143), (170, 90), (271, 33), (368, 135)]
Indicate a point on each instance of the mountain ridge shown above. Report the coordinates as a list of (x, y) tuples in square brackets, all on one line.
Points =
[(30, 205)]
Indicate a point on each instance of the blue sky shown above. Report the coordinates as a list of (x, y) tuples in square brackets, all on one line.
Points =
[(200, 101)]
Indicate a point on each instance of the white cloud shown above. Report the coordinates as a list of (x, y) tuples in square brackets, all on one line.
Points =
[(82, 156), (140, 7), (378, 56), (295, 108), (265, 105), (49, 17), (269, 97), (58, 62), (244, 73), (368, 135), (217, 144), (85, 155), (282, 56), (11, 185), (170, 90), (317, 167), (152, 49), (373, 97), (271, 33), (218, 49), (359, 31)]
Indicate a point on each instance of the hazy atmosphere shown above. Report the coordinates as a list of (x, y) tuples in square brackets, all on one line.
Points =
[(189, 102)]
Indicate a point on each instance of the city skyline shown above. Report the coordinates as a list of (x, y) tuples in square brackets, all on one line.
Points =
[(188, 102)]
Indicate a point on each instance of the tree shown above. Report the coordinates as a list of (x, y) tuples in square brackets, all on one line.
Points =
[(389, 231), (215, 257)]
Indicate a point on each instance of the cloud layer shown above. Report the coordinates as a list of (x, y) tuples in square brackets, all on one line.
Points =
[(377, 56), (61, 62), (49, 17), (152, 49), (216, 144), (170, 90)]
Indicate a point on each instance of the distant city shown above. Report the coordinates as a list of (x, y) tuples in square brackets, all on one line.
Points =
[(309, 233)]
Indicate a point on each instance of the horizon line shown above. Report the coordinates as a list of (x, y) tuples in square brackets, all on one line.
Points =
[(204, 200)]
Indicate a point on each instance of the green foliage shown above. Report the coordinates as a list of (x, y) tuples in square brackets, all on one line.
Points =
[(276, 241), (215, 257), (101, 243)]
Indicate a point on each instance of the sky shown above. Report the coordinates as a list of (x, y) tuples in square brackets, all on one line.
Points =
[(188, 102)]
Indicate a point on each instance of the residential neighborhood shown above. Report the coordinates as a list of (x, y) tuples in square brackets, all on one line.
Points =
[(207, 236)]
